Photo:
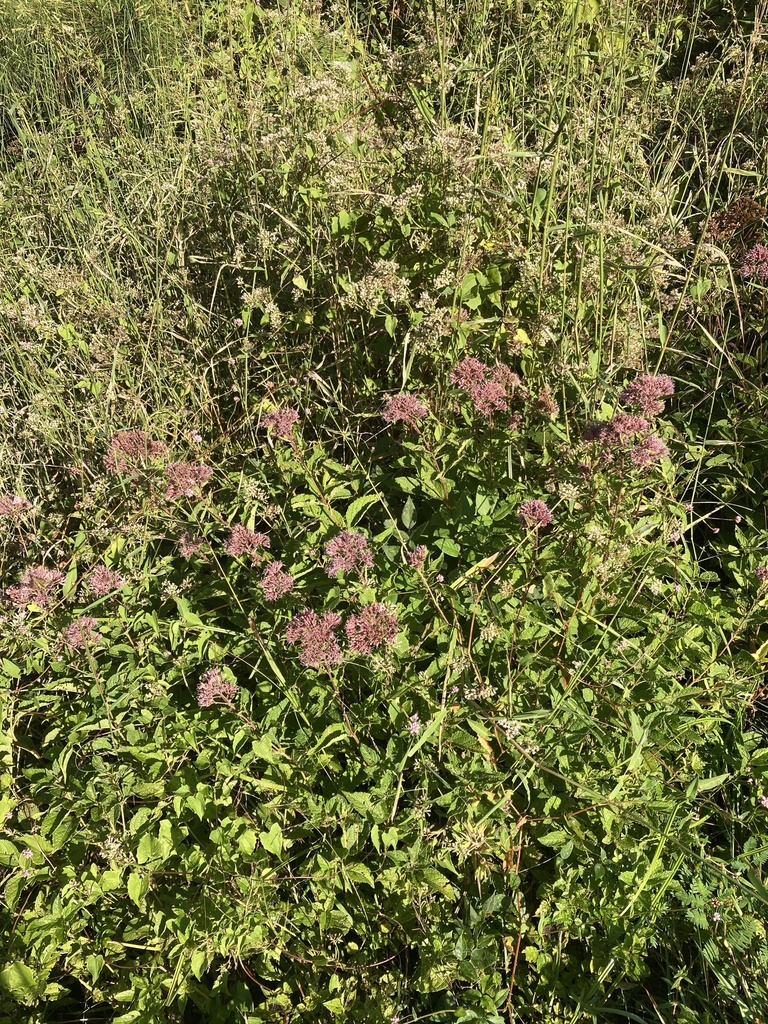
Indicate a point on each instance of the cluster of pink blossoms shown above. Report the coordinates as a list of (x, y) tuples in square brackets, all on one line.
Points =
[(347, 552), (762, 573), (13, 505), (275, 582), (647, 393), (103, 581), (214, 687), (81, 632), (755, 263), (242, 541), (486, 386), (37, 586), (316, 636), (534, 514), (280, 423), (132, 451), (367, 630), (417, 557), (185, 480), (189, 544), (405, 408), (371, 627)]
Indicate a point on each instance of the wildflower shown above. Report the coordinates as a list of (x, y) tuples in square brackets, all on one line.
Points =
[(616, 432), (764, 801), (36, 586), (762, 573), (418, 557), (189, 544), (103, 581), (546, 404), (647, 393), (510, 381), (281, 422), (275, 582), (755, 263), (214, 687), (185, 479), (716, 916), (487, 388), (243, 541), (132, 451), (13, 505), (534, 514), (346, 552), (81, 632), (370, 628), (414, 725), (318, 645), (647, 451), (403, 407), (27, 854)]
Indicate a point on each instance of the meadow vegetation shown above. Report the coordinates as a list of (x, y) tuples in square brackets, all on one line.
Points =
[(383, 521)]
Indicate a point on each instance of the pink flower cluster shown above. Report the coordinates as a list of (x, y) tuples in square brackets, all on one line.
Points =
[(275, 582), (214, 687), (533, 514), (647, 393), (132, 451), (185, 480), (189, 544), (762, 573), (13, 505), (103, 581), (81, 631), (280, 422), (373, 626), (405, 408), (755, 263), (346, 552), (486, 386), (627, 434), (315, 634), (243, 541), (417, 557), (36, 586)]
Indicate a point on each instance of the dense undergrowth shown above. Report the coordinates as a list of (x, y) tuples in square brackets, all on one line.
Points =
[(383, 512)]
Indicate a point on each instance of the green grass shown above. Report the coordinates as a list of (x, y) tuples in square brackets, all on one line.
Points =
[(212, 210)]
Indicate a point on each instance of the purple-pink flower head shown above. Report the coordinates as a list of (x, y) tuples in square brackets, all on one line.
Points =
[(280, 422), (37, 586), (275, 582), (243, 541), (185, 479), (417, 557), (213, 687), (762, 573), (189, 544), (533, 514), (405, 408), (13, 505), (618, 432), (755, 263), (81, 632), (469, 373), (487, 388), (104, 581), (647, 393), (132, 451), (647, 451), (546, 404), (373, 626), (347, 552), (315, 634)]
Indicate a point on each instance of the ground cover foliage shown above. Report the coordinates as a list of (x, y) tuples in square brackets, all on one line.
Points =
[(382, 512)]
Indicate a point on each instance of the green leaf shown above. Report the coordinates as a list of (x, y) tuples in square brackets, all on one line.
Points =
[(247, 842), (138, 886), (408, 515), (357, 506), (448, 547), (272, 841), (199, 963), (20, 982)]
